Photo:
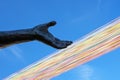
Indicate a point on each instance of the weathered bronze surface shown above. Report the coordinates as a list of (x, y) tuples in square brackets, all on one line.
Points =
[(39, 33)]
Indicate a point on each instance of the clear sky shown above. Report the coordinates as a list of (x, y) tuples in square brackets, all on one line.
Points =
[(75, 18)]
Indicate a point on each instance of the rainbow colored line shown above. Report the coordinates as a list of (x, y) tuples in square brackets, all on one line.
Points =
[(99, 42)]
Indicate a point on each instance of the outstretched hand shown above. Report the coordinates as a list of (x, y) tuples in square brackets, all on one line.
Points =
[(41, 33)]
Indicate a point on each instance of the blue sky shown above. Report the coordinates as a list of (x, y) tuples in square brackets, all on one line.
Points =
[(75, 18)]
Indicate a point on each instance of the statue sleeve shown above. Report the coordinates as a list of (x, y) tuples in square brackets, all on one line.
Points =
[(16, 36)]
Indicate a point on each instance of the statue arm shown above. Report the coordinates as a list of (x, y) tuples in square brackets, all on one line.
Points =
[(39, 32), (14, 37)]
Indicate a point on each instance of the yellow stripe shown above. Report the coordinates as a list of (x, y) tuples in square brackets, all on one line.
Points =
[(94, 45)]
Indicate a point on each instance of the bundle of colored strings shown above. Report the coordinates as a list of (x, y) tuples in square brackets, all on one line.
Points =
[(95, 44)]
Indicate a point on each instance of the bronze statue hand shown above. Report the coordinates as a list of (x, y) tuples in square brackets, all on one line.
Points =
[(42, 34), (39, 33)]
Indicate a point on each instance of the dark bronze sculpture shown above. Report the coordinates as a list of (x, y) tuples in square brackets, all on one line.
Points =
[(39, 32)]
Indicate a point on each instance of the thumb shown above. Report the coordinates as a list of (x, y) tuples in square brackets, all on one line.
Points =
[(52, 23)]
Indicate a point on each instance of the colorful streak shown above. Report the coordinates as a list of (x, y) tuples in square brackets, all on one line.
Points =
[(99, 42)]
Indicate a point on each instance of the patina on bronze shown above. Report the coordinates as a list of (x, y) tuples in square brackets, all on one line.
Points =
[(39, 33)]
